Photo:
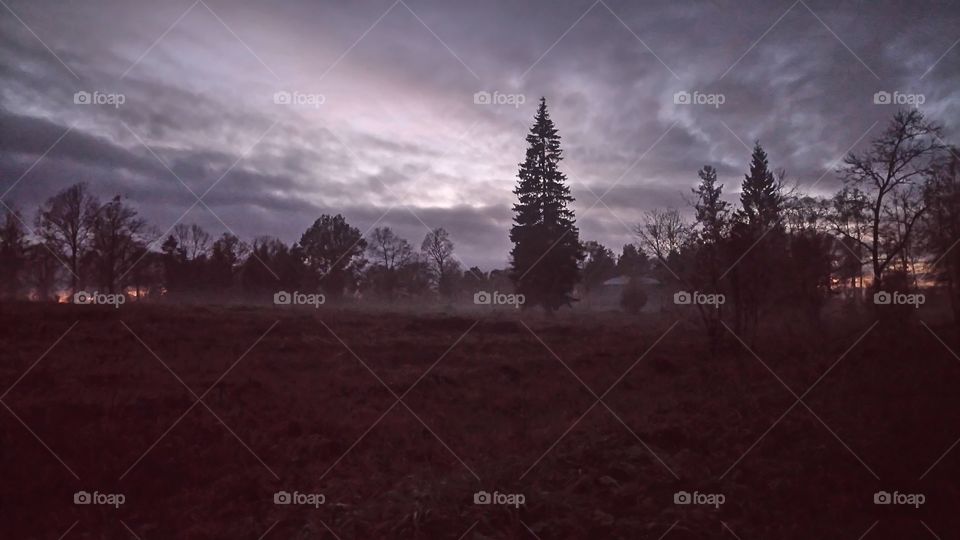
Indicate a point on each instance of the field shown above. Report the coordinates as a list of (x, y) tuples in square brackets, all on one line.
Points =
[(399, 418)]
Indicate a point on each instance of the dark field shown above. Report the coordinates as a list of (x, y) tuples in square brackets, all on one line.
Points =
[(485, 406)]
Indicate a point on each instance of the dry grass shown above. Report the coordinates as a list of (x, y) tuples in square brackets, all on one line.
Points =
[(498, 400)]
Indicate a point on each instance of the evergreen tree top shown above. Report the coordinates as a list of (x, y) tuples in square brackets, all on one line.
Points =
[(543, 128), (760, 194), (758, 162)]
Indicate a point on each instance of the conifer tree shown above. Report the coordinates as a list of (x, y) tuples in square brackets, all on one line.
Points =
[(757, 244), (544, 260), (760, 194), (711, 224), (711, 209)]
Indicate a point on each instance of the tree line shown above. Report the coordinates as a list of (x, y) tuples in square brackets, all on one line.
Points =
[(80, 243), (892, 226)]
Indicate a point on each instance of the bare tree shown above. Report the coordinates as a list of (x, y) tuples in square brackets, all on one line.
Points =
[(192, 239), (806, 213), (904, 205), (849, 218), (389, 250), (117, 242), (438, 249), (899, 160), (663, 232), (390, 254), (65, 223)]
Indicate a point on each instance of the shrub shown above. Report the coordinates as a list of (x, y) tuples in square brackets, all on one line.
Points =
[(633, 297)]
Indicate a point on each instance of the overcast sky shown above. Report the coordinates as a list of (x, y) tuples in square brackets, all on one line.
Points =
[(385, 127)]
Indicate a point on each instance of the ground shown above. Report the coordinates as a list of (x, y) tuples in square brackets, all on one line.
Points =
[(307, 401)]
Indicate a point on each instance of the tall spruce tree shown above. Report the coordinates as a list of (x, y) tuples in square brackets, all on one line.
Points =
[(760, 194), (546, 252), (757, 244)]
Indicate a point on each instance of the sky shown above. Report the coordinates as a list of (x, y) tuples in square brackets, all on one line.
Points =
[(257, 117)]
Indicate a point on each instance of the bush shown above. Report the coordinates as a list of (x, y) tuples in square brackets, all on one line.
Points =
[(633, 297)]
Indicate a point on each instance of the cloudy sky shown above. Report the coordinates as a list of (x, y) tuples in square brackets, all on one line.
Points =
[(276, 112)]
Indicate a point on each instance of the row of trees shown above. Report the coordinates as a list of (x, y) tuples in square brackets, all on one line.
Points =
[(892, 227), (79, 243)]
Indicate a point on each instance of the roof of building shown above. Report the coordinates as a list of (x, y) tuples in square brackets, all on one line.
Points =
[(620, 281)]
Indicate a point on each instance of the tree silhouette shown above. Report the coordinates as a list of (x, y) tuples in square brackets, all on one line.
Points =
[(65, 223), (438, 249), (226, 255), (760, 194), (712, 212), (814, 254), (13, 255), (849, 219), (185, 261), (942, 228), (271, 267), (192, 239), (632, 262), (757, 244), (710, 226), (907, 152), (334, 253), (598, 266), (116, 244), (390, 254), (546, 253), (663, 233)]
